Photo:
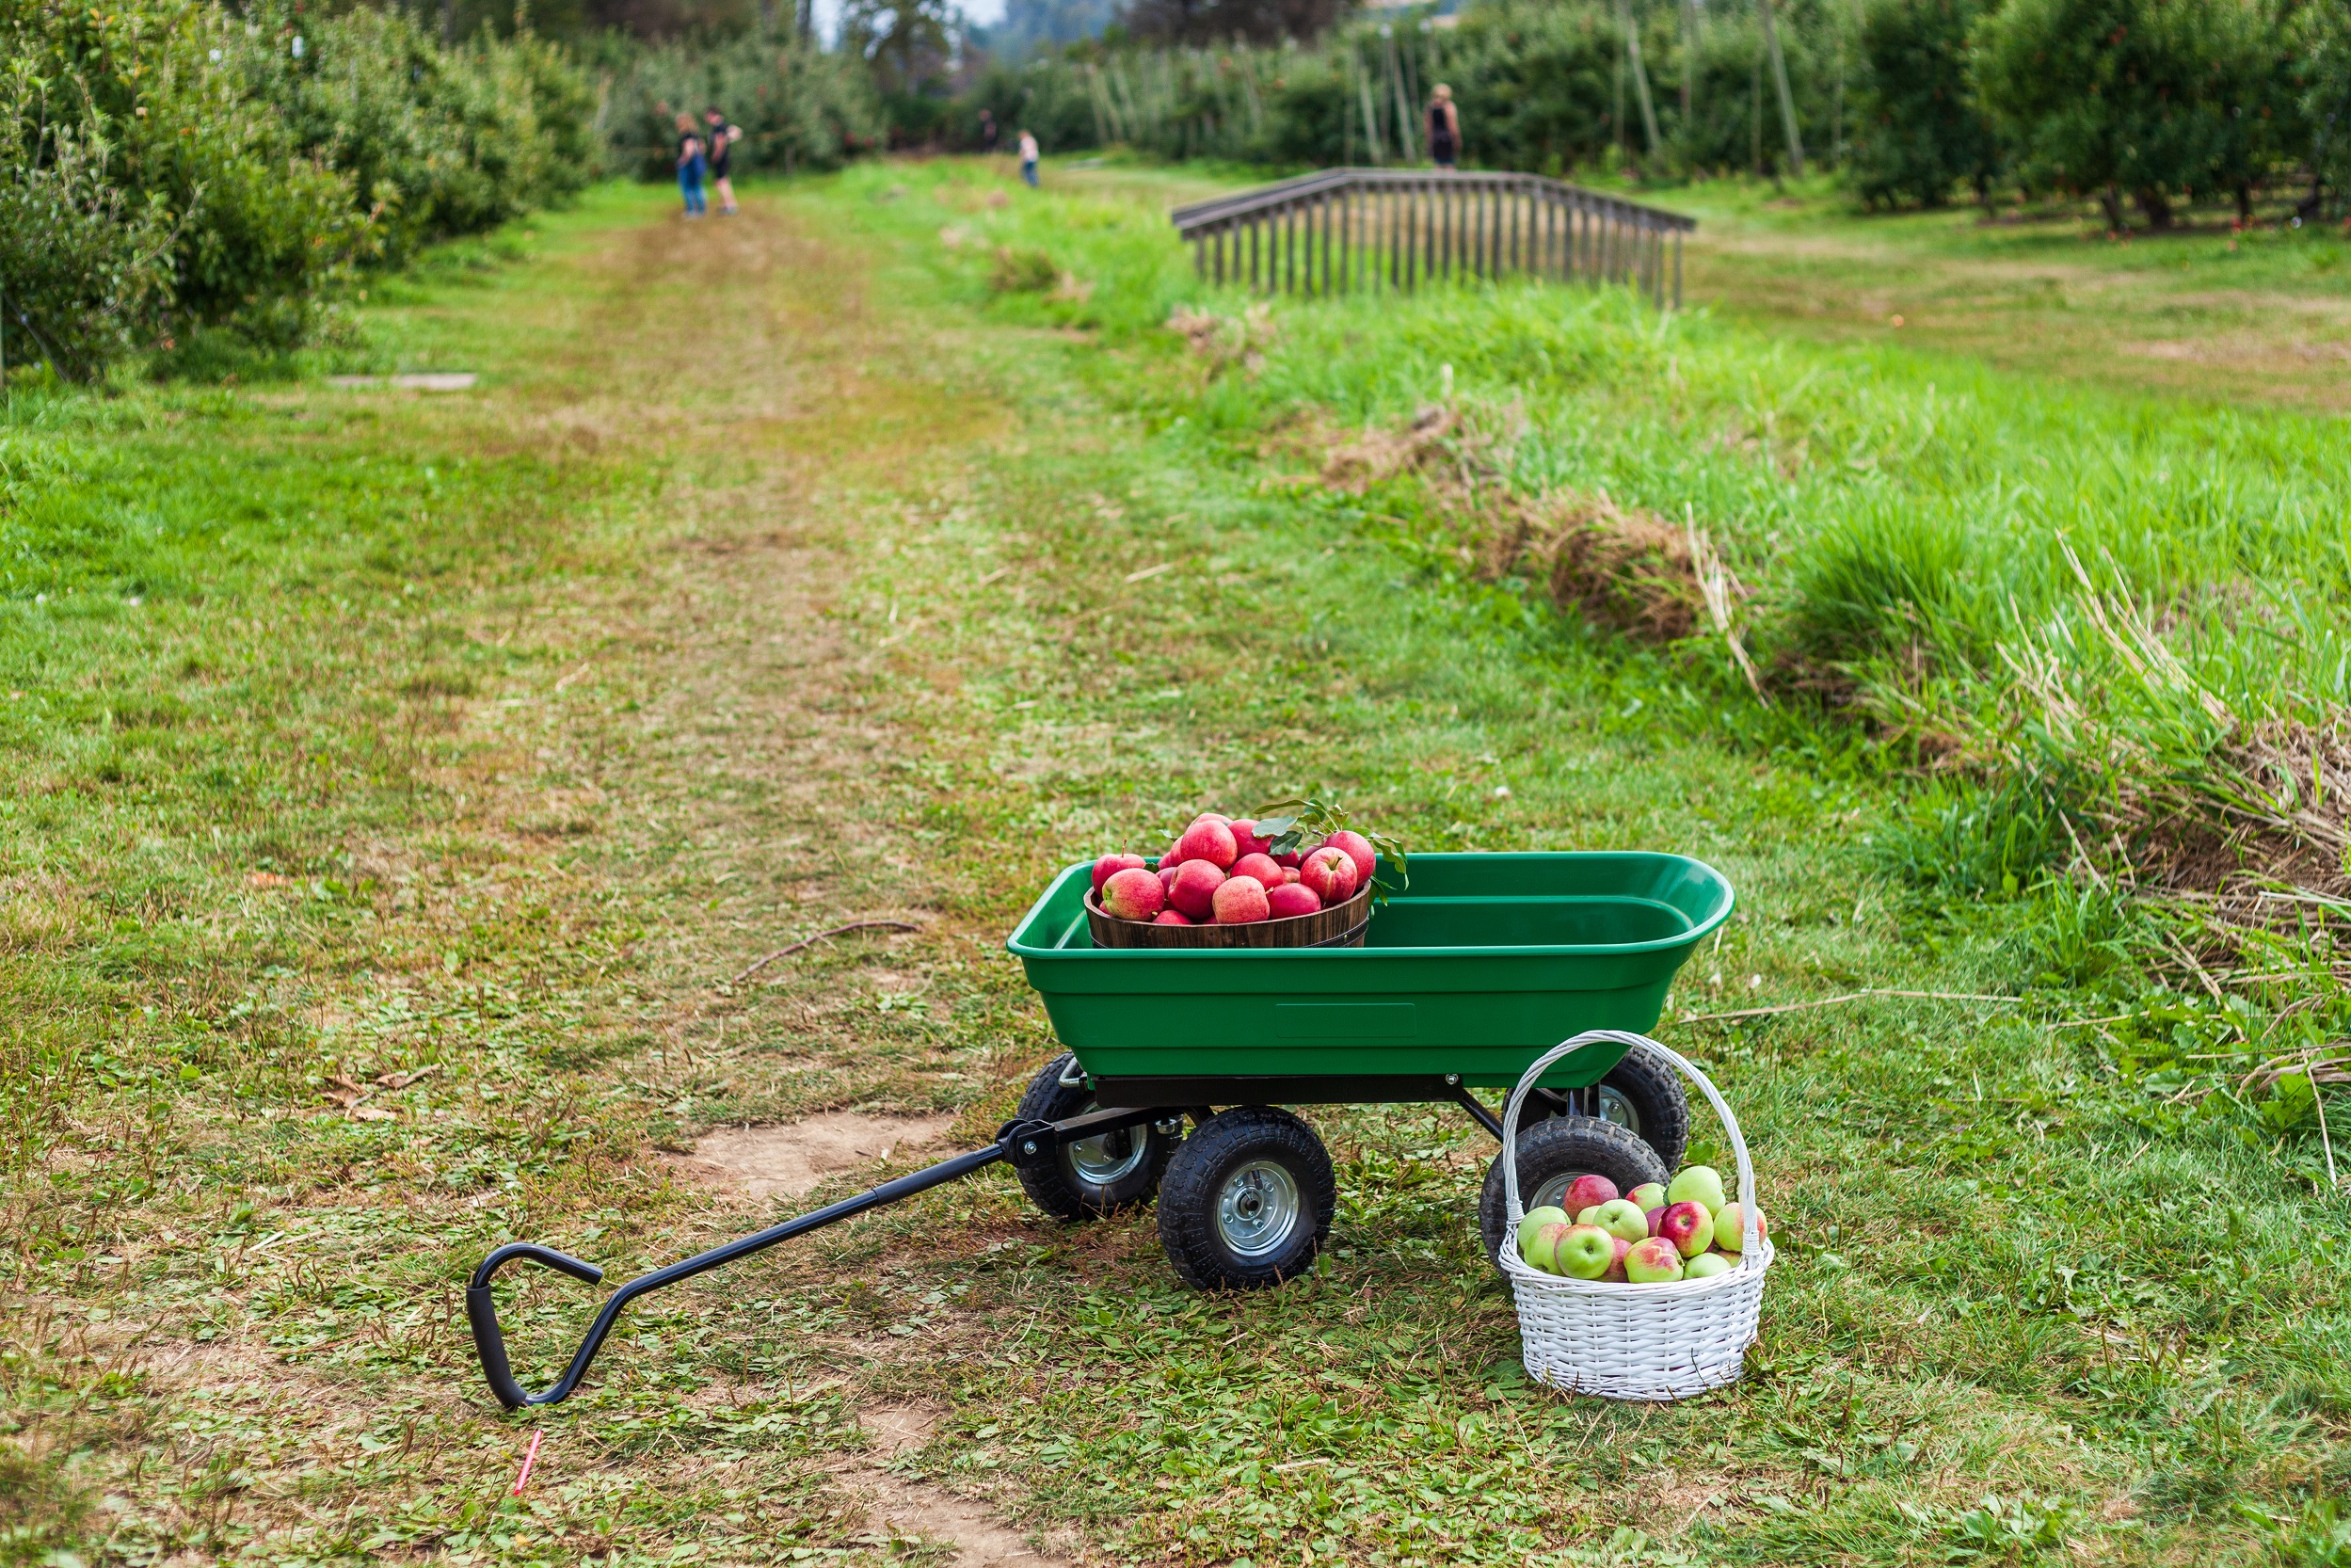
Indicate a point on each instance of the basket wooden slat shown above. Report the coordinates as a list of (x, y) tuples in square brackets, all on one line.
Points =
[(1340, 926), (1625, 1341)]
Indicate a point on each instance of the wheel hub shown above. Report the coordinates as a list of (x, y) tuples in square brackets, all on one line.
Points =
[(1109, 1157), (1553, 1193), (1614, 1107), (1257, 1208)]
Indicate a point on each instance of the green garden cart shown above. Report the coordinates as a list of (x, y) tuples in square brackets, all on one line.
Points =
[(1182, 1065)]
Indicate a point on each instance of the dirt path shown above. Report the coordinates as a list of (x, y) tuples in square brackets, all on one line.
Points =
[(701, 775)]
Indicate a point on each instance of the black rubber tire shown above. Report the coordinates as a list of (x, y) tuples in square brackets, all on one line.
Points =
[(1061, 1188), (1652, 1090), (1556, 1147), (1218, 1151)]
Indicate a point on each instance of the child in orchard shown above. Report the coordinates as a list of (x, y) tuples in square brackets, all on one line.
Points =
[(690, 166)]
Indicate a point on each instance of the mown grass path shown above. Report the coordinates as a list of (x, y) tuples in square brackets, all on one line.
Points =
[(769, 581)]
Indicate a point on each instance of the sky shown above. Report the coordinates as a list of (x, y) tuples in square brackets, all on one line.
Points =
[(982, 14)]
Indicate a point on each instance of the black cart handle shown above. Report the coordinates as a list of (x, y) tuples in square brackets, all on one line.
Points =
[(1021, 1142)]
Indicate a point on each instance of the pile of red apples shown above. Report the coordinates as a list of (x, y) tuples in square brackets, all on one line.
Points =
[(1652, 1235), (1220, 871)]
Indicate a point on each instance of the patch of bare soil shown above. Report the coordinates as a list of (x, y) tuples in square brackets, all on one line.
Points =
[(924, 1508), (790, 1161)]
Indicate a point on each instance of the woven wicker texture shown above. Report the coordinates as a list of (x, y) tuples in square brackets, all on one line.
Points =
[(1634, 1341)]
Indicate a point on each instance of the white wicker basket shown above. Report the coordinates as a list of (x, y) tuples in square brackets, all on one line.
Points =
[(1634, 1341)]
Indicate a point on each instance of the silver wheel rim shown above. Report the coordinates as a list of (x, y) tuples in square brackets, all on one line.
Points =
[(1257, 1210), (1553, 1193), (1615, 1107), (1110, 1157)]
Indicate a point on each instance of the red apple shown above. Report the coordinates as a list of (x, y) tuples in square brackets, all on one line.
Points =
[(1170, 917), (1290, 899), (1653, 1216), (1209, 841), (1289, 860), (1193, 890), (1214, 816), (1167, 873), (1133, 894), (1259, 866), (1589, 1191), (1239, 900), (1110, 865), (1330, 875), (1358, 849), (1289, 874), (1616, 1270), (1245, 834), (1688, 1226)]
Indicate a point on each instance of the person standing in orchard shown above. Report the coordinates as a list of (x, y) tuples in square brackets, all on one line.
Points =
[(690, 165), (1029, 159), (723, 139), (1445, 128)]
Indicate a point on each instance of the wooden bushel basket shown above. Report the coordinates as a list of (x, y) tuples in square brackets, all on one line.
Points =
[(1341, 926)]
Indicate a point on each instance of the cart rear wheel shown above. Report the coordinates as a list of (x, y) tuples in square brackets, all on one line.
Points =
[(1643, 1095), (1095, 1175), (1248, 1201), (1553, 1153)]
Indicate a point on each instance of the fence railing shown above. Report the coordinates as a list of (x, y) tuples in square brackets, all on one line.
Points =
[(1343, 230)]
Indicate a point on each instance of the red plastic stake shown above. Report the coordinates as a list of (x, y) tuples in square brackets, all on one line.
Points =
[(529, 1459)]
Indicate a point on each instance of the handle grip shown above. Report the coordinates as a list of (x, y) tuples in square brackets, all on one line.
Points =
[(489, 1344)]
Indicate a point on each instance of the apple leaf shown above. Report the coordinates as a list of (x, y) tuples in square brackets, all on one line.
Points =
[(1309, 822)]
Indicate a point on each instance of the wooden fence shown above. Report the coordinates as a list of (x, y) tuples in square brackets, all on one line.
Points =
[(1354, 229)]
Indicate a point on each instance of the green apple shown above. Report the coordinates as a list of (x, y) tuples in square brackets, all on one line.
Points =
[(1652, 1262), (1585, 1252), (1618, 1217), (1730, 1227), (1706, 1265), (1698, 1184), (1545, 1253), (1648, 1195), (1535, 1220)]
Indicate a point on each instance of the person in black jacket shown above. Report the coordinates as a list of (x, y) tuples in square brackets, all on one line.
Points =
[(723, 138)]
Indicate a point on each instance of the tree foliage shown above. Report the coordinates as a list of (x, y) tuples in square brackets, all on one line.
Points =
[(799, 107), (2155, 100), (1919, 131), (169, 167)]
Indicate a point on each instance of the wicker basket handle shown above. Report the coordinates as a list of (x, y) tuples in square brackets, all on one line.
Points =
[(1516, 1211)]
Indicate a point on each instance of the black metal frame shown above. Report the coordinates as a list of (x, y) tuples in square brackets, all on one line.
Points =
[(1024, 1144)]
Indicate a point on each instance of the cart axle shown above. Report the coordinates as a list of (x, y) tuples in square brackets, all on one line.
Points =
[(1020, 1143)]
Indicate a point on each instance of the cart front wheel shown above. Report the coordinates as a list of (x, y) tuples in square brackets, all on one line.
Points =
[(1551, 1155), (1643, 1095), (1248, 1201), (1099, 1176)]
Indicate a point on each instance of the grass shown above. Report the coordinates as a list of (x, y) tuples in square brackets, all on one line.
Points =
[(2261, 317), (362, 732)]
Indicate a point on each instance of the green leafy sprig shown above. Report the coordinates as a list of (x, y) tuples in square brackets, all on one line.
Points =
[(1298, 824)]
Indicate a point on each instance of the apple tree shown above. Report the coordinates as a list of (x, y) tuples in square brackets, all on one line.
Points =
[(1920, 131), (2153, 99)]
